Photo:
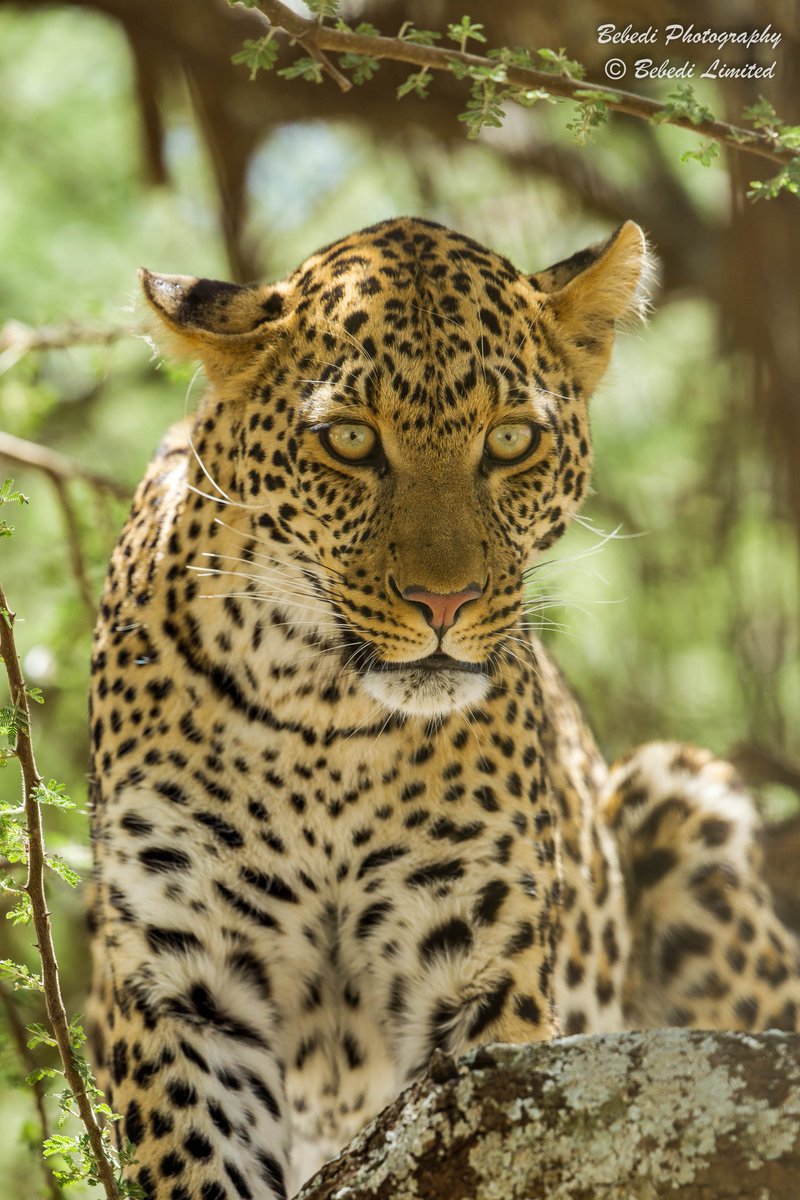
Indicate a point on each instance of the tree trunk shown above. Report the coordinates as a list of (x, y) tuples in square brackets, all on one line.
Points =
[(633, 1116)]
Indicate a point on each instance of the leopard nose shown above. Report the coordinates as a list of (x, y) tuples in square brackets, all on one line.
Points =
[(441, 609)]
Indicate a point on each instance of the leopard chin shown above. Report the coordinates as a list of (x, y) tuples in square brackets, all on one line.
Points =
[(421, 692)]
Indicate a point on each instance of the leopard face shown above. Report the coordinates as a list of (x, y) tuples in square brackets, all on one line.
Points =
[(405, 420)]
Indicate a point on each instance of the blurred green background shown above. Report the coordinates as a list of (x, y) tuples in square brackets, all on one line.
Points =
[(126, 137)]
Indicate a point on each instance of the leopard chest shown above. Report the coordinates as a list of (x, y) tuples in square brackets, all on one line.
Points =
[(351, 893)]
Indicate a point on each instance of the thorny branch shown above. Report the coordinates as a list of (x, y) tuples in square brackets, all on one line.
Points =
[(35, 887), (61, 470), (20, 1038), (315, 37)]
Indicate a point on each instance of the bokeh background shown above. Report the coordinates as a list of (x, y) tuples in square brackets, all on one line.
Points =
[(127, 137)]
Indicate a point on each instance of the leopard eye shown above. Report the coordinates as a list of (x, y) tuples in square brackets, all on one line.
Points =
[(351, 441), (513, 441)]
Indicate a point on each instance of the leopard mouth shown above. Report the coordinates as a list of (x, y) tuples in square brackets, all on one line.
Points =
[(433, 686), (434, 664)]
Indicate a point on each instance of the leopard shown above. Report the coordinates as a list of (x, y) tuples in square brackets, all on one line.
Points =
[(345, 810)]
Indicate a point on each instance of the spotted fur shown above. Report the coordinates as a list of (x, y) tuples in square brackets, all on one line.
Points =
[(333, 829)]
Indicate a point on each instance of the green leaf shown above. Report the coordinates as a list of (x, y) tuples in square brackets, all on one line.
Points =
[(13, 842), (54, 794), (683, 105), (38, 1074), (789, 136), (59, 1143), (761, 115), (557, 62), (9, 724), (40, 1036), (361, 65), (420, 37), (513, 56), (484, 110), (9, 496), (323, 8), (787, 180), (303, 68), (22, 912), (418, 83), (77, 1039), (590, 117), (464, 32), (57, 864), (19, 976), (705, 155), (258, 55)]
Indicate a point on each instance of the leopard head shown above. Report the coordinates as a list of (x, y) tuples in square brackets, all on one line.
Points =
[(405, 420)]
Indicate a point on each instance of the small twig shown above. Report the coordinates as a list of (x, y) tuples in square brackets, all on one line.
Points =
[(330, 68), (29, 1064), (61, 470), (77, 557), (18, 339), (298, 30), (437, 58), (759, 765), (58, 466), (35, 887)]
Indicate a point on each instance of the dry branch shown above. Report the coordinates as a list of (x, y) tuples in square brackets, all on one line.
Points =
[(18, 339), (35, 887), (61, 470), (315, 36), (58, 466), (637, 1116)]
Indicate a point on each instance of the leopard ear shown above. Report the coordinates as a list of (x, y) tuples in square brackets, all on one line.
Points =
[(604, 284), (210, 320)]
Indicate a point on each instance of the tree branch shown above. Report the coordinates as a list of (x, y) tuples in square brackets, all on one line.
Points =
[(29, 1065), (298, 29), (35, 887), (640, 1115), (18, 339), (313, 36), (58, 466), (74, 546), (759, 764), (61, 470)]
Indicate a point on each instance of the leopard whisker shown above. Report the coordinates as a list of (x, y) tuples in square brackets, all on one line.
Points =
[(261, 541), (269, 573), (255, 595), (190, 487), (572, 558)]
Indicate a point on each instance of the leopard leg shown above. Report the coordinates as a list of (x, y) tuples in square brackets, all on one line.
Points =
[(707, 949), (188, 1037)]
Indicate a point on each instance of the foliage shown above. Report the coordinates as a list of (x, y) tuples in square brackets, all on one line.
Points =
[(80, 1159), (492, 89), (9, 496), (787, 180), (258, 55)]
